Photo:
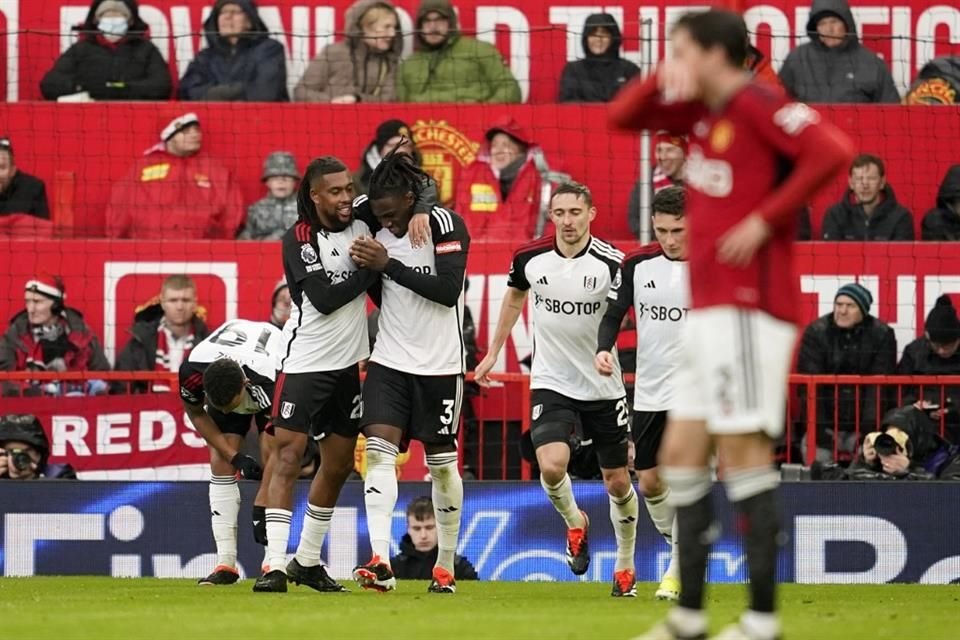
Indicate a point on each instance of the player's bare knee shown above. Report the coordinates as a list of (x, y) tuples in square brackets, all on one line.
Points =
[(617, 484), (552, 473), (650, 483)]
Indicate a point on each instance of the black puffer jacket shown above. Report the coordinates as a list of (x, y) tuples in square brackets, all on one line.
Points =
[(942, 223), (870, 348), (253, 69), (846, 220), (129, 69), (597, 78), (411, 564)]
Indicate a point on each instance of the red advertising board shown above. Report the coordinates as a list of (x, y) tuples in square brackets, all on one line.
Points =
[(536, 38)]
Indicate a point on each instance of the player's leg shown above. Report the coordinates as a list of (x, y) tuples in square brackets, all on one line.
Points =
[(387, 408), (259, 519), (607, 423), (436, 421), (338, 440), (224, 496), (553, 417), (648, 427), (745, 441)]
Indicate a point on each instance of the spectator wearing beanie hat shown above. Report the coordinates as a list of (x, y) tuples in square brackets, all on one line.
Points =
[(390, 135), (846, 341), (113, 59), (176, 191), (269, 217), (936, 353), (49, 336), (670, 151)]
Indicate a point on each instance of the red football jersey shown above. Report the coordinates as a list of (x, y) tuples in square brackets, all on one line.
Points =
[(761, 154)]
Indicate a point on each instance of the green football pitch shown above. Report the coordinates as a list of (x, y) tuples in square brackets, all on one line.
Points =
[(63, 608)]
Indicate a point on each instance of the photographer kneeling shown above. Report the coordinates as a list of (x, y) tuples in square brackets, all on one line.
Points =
[(24, 450), (906, 448)]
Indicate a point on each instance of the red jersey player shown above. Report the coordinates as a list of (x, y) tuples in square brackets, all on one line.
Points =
[(754, 159)]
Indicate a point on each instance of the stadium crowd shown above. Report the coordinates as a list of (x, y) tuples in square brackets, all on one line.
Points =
[(499, 195)]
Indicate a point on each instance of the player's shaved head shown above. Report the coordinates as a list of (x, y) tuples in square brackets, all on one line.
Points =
[(717, 28)]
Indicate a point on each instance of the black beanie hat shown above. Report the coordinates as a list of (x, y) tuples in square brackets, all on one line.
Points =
[(390, 129), (942, 324)]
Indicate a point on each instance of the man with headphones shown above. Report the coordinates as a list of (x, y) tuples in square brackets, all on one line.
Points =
[(49, 336)]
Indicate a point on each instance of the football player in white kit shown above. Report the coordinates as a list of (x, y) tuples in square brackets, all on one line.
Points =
[(414, 384), (570, 275), (655, 283), (226, 383)]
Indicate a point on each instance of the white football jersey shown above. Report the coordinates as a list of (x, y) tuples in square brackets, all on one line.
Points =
[(257, 346), (417, 335), (659, 290), (567, 299), (317, 341)]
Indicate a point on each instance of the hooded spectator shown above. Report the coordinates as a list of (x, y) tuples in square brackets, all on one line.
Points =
[(449, 67), (269, 217), (25, 451), (49, 336), (418, 547), (602, 72), (834, 67), (112, 60), (390, 134), (906, 447), (938, 83), (670, 152), (936, 353), (942, 223), (362, 67), (176, 191), (241, 62), (846, 341), (164, 332), (498, 194), (19, 192), (869, 210)]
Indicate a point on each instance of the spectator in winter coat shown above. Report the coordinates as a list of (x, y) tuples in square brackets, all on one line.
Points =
[(869, 210), (19, 192), (942, 223), (418, 547), (164, 332), (602, 72), (906, 447), (834, 66), (25, 449), (269, 217), (241, 62), (390, 134), (938, 83), (670, 152), (936, 353), (49, 336), (447, 66), (362, 67), (176, 191), (498, 194), (113, 59), (847, 341)]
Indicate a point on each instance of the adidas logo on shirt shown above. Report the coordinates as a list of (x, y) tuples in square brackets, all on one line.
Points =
[(542, 280), (335, 252), (650, 285)]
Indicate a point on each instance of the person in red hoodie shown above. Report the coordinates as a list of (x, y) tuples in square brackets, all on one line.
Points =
[(175, 191), (498, 194)]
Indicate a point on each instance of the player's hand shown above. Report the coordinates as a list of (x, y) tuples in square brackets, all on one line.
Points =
[(419, 230), (482, 372), (369, 254), (604, 363), (677, 82), (247, 466), (742, 241)]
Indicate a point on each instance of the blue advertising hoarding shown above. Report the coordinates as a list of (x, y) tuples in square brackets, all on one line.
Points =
[(835, 532)]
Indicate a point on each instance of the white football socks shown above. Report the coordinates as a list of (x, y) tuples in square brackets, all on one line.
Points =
[(278, 535), (563, 501), (447, 495), (380, 494), (316, 523), (224, 509), (623, 516), (664, 516)]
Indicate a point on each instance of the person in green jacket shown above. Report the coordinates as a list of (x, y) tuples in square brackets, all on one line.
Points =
[(450, 67)]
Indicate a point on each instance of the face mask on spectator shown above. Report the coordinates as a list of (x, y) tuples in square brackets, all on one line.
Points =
[(113, 26)]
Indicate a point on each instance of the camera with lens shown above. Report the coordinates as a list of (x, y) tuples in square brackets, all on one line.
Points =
[(20, 459), (886, 445)]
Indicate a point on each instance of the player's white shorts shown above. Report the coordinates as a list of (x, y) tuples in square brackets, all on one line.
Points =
[(733, 370)]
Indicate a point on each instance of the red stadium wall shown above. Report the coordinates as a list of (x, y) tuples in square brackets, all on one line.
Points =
[(537, 36), (97, 143)]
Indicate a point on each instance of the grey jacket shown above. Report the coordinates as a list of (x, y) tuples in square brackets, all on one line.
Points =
[(814, 72)]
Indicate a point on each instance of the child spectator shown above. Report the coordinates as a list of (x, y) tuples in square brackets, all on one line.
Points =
[(113, 59), (269, 217)]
